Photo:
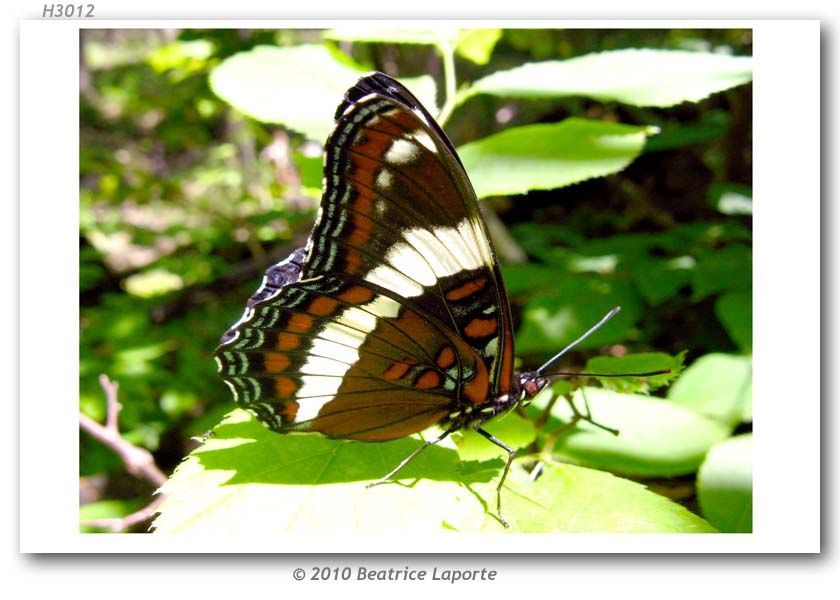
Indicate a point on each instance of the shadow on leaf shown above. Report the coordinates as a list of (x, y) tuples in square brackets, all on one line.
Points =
[(262, 456)]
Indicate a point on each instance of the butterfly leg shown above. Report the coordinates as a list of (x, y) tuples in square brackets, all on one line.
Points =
[(408, 459), (588, 416), (511, 453)]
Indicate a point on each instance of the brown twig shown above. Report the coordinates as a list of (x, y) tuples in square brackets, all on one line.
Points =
[(138, 461)]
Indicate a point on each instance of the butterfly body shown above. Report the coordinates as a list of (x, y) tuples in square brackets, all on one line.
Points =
[(394, 317)]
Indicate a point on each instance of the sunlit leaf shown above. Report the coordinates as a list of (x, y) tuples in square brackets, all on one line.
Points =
[(542, 157), (477, 44), (511, 429), (248, 482), (656, 437), (717, 386), (299, 87), (177, 402), (724, 485), (154, 282), (641, 77), (189, 55)]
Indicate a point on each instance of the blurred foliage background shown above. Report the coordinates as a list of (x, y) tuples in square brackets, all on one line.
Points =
[(192, 182)]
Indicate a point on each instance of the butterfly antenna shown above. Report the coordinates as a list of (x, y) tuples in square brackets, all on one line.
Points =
[(592, 330), (645, 374)]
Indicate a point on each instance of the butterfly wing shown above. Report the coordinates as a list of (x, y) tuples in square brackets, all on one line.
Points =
[(397, 317)]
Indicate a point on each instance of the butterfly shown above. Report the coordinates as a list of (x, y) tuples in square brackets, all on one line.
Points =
[(394, 317)]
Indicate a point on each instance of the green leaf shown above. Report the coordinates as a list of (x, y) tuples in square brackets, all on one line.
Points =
[(513, 430), (248, 481), (529, 278), (718, 386), (311, 172), (477, 45), (712, 126), (554, 319), (642, 362), (659, 280), (734, 310), (727, 269), (543, 157), (190, 56), (724, 485), (656, 438), (154, 282), (298, 87), (641, 77)]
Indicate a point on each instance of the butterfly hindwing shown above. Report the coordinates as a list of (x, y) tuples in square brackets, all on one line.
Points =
[(347, 359)]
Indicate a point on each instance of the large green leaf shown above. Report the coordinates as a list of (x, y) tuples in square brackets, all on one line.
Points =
[(298, 87), (717, 386), (542, 157), (724, 485), (641, 77), (656, 438), (247, 481)]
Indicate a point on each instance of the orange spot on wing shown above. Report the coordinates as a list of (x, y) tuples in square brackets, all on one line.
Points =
[(506, 373), (352, 261), (466, 290), (428, 380), (363, 201), (276, 362), (479, 328), (300, 323), (397, 370), (284, 387), (357, 295), (361, 230), (322, 306), (477, 390), (286, 341), (446, 358)]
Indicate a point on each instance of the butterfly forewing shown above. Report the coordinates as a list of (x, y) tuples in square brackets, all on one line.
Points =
[(398, 318)]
